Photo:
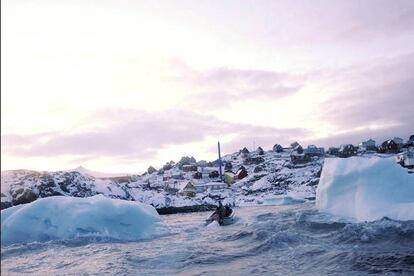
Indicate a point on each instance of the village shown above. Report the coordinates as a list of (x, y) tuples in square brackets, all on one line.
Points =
[(194, 177), (243, 178)]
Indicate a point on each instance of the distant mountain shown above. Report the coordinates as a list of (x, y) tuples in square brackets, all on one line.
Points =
[(96, 174)]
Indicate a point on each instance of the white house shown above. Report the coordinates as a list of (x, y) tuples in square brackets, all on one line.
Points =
[(207, 170), (313, 150), (187, 189), (210, 186), (369, 144), (398, 140), (406, 158), (409, 161)]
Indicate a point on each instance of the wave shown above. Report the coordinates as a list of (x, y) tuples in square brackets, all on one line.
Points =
[(271, 240)]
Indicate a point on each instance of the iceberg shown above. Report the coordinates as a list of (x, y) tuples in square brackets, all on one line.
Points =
[(366, 189), (60, 217)]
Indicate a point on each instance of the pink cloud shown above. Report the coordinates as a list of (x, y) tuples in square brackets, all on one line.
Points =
[(138, 135)]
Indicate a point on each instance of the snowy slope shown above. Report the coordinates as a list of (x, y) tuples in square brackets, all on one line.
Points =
[(271, 179), (275, 176)]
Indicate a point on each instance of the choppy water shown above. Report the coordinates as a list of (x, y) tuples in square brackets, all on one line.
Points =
[(270, 240)]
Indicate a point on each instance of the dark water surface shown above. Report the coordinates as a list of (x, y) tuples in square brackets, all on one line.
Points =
[(268, 240)]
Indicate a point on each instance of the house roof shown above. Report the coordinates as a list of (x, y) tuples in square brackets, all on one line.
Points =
[(395, 139), (183, 185)]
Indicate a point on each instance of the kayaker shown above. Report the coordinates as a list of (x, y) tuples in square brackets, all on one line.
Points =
[(221, 212), (228, 210)]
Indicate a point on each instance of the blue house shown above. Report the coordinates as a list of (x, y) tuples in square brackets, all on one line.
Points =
[(313, 150), (277, 148), (216, 163)]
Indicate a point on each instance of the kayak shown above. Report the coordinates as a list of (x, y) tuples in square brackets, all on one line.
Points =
[(226, 220)]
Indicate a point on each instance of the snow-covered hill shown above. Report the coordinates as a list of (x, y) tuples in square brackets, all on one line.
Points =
[(270, 177)]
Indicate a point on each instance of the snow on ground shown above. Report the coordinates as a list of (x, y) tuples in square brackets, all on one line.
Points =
[(366, 189), (60, 217), (269, 174), (261, 184)]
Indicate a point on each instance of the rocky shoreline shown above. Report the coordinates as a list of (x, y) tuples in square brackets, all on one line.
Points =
[(185, 209)]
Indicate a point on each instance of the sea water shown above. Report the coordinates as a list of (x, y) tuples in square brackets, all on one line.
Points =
[(267, 240)]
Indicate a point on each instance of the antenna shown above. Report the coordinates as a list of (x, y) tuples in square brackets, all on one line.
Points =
[(219, 159)]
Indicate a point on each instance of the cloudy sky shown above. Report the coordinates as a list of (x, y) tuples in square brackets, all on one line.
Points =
[(119, 85)]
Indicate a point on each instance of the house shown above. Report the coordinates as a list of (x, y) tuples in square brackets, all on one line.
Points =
[(347, 150), (312, 150), (277, 148), (200, 188), (299, 157), (189, 168), (406, 159), (409, 160), (368, 145), (172, 186), (228, 166), (410, 141), (333, 151), (294, 145), (298, 149), (244, 152), (241, 173), (214, 174), (197, 175), (229, 177), (389, 146), (207, 170), (399, 141), (187, 189)]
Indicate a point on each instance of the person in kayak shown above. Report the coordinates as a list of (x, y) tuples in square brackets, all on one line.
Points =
[(228, 210), (220, 212)]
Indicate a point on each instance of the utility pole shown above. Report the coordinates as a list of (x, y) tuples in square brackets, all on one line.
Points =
[(219, 158)]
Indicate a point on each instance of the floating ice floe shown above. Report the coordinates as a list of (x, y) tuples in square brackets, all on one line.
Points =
[(282, 200), (60, 217), (366, 189)]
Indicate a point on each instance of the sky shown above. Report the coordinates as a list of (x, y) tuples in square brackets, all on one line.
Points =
[(117, 86)]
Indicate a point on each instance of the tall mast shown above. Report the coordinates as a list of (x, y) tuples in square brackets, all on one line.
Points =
[(219, 158)]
